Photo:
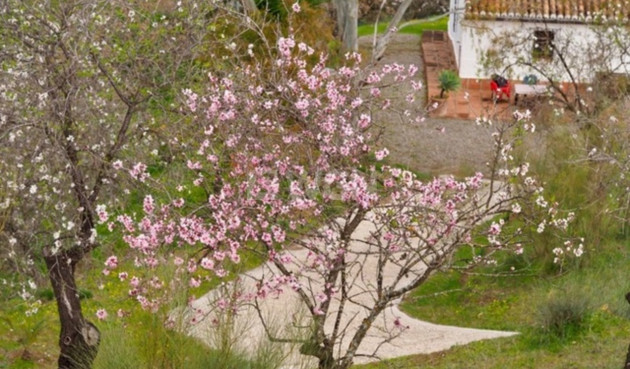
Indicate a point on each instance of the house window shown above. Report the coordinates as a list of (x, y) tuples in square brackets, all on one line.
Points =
[(543, 44)]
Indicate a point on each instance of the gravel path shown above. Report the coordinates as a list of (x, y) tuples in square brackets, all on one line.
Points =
[(436, 146)]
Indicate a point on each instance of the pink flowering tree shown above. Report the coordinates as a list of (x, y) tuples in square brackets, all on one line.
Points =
[(290, 163), (80, 86)]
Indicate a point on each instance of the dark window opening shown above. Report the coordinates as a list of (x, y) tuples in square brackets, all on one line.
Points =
[(543, 44)]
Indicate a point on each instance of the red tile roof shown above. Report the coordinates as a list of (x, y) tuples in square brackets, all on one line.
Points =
[(574, 11)]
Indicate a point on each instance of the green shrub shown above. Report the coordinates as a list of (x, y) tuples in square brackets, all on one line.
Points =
[(449, 81), (592, 189), (563, 316)]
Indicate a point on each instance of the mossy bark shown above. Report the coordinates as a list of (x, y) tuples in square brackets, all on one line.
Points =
[(79, 339)]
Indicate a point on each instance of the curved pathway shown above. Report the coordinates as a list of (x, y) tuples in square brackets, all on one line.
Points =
[(284, 315)]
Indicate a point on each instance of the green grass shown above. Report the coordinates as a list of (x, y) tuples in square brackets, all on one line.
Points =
[(523, 304), (604, 346), (145, 343), (138, 340), (415, 27)]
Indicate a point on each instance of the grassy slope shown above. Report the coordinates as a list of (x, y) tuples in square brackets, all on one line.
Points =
[(139, 340), (412, 27), (516, 303)]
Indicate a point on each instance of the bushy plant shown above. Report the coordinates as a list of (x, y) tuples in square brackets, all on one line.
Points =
[(530, 79), (449, 81), (562, 316)]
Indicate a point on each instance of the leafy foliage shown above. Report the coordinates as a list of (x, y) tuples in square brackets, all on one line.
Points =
[(449, 81)]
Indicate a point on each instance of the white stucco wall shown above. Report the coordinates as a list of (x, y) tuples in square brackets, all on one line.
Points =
[(475, 37), (456, 9)]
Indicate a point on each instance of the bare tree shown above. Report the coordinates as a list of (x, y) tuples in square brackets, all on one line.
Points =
[(347, 12), (392, 27)]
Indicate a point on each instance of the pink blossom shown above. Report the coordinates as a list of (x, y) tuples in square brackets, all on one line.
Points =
[(194, 282), (111, 262), (148, 204), (235, 257), (364, 121), (302, 104), (218, 255), (207, 263), (266, 237), (192, 266), (494, 229), (381, 154), (101, 212), (222, 304), (193, 165), (101, 314), (139, 172), (134, 282)]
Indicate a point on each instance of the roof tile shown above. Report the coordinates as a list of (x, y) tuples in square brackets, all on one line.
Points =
[(549, 10)]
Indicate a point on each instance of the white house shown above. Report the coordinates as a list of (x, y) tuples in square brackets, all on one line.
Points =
[(526, 36)]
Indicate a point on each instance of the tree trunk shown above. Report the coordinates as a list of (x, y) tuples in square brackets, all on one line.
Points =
[(360, 334), (79, 339), (348, 23), (382, 42)]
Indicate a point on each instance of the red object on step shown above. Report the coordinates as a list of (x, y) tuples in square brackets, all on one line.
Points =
[(497, 91)]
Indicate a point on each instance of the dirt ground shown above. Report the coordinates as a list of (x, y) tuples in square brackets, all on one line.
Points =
[(435, 146)]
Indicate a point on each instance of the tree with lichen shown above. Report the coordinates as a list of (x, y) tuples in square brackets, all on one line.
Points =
[(84, 84)]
